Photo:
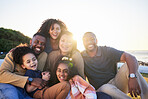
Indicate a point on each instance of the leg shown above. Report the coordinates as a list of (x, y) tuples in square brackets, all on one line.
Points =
[(102, 95), (118, 85), (143, 86), (121, 81), (113, 91), (58, 91), (8, 91)]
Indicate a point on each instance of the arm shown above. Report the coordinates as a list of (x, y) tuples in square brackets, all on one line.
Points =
[(7, 74), (79, 63), (133, 67), (87, 90)]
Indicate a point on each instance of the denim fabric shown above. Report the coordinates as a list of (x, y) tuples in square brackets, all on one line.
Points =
[(8, 91), (102, 95)]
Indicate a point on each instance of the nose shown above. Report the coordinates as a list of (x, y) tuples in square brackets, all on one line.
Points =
[(61, 73), (39, 44)]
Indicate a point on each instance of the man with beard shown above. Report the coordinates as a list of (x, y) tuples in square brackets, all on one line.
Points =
[(12, 74), (101, 70)]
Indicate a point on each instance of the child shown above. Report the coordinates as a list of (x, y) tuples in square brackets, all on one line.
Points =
[(25, 57), (65, 71)]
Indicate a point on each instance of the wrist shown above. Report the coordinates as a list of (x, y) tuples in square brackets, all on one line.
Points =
[(29, 80), (132, 75)]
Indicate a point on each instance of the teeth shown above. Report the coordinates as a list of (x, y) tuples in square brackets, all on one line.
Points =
[(90, 46), (38, 49), (61, 77)]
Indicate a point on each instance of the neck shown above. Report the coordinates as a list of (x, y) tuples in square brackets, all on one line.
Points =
[(93, 52), (54, 43), (64, 53)]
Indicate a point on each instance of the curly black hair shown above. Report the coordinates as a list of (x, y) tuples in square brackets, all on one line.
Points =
[(45, 27), (72, 69), (40, 34), (19, 52)]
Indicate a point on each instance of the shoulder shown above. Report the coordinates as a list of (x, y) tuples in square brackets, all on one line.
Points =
[(53, 53), (76, 54)]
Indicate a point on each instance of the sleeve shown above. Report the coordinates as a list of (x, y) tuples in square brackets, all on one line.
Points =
[(79, 63), (84, 87), (30, 73), (114, 53), (42, 60), (7, 75)]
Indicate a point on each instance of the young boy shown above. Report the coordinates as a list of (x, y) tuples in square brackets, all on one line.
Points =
[(25, 57)]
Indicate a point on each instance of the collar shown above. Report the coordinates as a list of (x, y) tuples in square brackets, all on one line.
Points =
[(98, 52)]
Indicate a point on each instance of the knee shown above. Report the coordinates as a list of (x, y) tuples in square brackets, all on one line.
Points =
[(65, 85), (105, 88)]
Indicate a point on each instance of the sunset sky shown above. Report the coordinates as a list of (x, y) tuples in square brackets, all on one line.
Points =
[(122, 24)]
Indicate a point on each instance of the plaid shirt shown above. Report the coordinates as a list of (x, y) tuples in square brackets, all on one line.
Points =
[(80, 89)]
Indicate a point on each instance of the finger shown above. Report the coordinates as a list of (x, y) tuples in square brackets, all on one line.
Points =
[(139, 90), (135, 93), (131, 93)]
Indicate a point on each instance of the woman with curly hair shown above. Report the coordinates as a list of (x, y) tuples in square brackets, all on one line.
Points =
[(68, 47), (53, 29)]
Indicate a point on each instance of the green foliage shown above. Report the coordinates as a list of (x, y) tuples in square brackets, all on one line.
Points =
[(10, 38)]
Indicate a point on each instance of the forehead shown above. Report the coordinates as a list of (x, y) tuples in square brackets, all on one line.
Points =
[(66, 36), (63, 66), (89, 35), (28, 56), (55, 25), (40, 38)]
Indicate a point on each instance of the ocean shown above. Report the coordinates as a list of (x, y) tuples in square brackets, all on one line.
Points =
[(140, 55)]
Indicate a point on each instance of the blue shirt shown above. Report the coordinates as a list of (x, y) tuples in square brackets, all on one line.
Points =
[(102, 67), (33, 74)]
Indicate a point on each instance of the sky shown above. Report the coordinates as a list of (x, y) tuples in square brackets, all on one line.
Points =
[(122, 24)]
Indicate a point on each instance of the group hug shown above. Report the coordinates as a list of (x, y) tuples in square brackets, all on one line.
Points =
[(51, 67)]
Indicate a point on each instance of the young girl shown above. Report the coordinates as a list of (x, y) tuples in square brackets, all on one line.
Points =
[(26, 58), (65, 71), (52, 28), (68, 47)]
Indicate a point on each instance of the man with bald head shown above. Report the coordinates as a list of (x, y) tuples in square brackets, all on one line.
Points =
[(101, 70)]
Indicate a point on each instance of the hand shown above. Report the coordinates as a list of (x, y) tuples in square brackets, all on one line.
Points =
[(46, 75), (38, 82), (133, 86)]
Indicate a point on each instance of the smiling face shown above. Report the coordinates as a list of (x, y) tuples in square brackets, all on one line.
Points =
[(55, 31), (29, 61), (38, 44), (66, 44), (62, 72), (89, 41)]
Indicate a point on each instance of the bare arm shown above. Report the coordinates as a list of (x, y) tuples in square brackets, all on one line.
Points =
[(132, 64)]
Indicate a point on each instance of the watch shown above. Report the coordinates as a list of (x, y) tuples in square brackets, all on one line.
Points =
[(30, 80), (132, 75)]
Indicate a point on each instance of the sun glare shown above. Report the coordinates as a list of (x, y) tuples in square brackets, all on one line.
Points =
[(79, 42)]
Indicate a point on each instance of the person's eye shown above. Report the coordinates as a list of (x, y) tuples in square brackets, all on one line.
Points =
[(65, 71), (34, 59), (42, 43), (28, 61), (58, 70)]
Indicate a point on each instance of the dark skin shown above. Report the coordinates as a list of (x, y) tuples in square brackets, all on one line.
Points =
[(38, 42), (133, 67), (133, 86)]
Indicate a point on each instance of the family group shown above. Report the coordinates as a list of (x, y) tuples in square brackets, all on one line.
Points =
[(51, 67)]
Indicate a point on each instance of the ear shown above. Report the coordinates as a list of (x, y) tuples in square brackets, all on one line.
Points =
[(23, 67), (96, 41), (30, 42)]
